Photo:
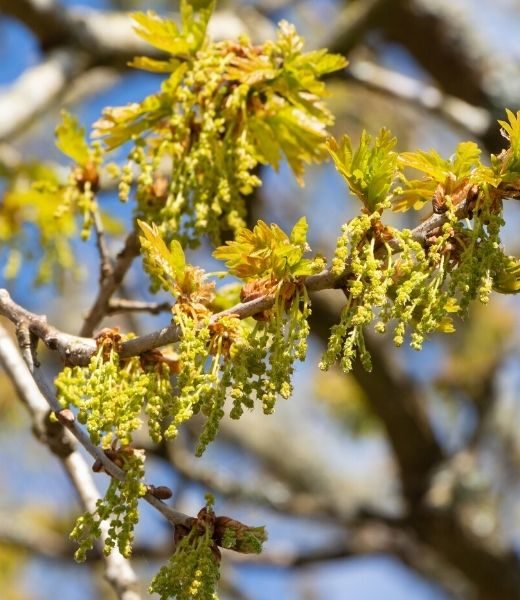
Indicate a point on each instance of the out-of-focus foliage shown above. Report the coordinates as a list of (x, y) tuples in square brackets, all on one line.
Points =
[(346, 401)]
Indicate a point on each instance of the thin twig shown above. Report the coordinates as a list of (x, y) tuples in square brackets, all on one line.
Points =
[(173, 516), (105, 264), (122, 305), (290, 502), (472, 119), (110, 284)]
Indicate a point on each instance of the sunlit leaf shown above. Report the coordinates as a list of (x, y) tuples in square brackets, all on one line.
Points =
[(195, 17), (267, 251), (70, 139), (160, 33), (370, 169)]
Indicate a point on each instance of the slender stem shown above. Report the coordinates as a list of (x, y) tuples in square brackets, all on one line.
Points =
[(105, 270), (121, 305), (109, 285)]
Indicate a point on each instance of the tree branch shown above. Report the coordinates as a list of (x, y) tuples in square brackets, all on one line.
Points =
[(110, 283), (45, 394), (399, 403), (351, 24), (292, 503), (78, 350), (472, 119), (105, 264), (108, 37), (122, 305), (36, 89), (118, 571)]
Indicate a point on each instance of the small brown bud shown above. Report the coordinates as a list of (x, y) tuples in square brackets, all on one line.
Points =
[(97, 467), (87, 174), (65, 416), (439, 200), (161, 491)]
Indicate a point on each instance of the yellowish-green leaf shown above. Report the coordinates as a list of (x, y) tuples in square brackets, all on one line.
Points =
[(465, 159), (267, 251), (299, 232), (70, 139), (264, 140), (161, 33), (370, 169), (195, 17), (321, 62), (153, 65), (171, 261), (430, 163)]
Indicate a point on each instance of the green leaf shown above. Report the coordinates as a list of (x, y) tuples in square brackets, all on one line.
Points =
[(430, 163), (161, 33), (300, 136), (264, 140), (465, 159), (70, 139), (299, 232), (267, 251), (451, 175), (195, 17), (171, 261), (510, 160), (120, 124), (321, 62), (153, 65), (370, 169), (177, 259)]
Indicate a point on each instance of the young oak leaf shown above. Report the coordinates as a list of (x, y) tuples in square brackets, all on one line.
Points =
[(452, 177), (267, 251), (171, 260), (195, 16), (161, 33), (508, 161), (370, 169), (165, 35), (70, 139), (120, 124), (168, 266)]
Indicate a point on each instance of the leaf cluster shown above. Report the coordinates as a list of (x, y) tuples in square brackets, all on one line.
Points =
[(370, 169), (224, 108), (268, 252)]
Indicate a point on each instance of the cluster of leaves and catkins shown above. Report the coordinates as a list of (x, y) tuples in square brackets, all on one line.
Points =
[(223, 109), (193, 570), (193, 148), (415, 281)]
